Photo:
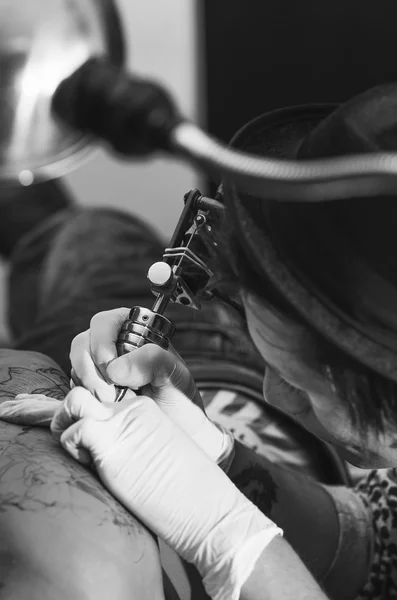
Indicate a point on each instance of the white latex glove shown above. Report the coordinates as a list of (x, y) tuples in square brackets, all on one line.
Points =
[(160, 475), (162, 375), (29, 409)]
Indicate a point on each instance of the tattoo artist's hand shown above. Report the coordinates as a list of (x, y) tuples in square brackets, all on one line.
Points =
[(159, 374), (160, 475)]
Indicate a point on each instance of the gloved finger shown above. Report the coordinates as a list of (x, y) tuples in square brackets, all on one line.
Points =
[(78, 439), (154, 366), (78, 403), (84, 371), (29, 409), (148, 364), (91, 434), (104, 330), (74, 380), (182, 379)]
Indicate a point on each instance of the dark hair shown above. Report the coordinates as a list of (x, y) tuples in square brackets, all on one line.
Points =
[(311, 234)]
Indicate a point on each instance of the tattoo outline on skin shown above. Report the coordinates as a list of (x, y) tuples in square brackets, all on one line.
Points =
[(31, 482), (25, 472), (49, 381), (256, 483)]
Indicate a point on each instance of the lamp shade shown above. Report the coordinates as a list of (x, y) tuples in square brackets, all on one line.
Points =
[(41, 43)]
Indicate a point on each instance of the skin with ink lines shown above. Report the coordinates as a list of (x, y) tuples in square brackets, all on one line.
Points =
[(21, 479), (311, 401), (32, 472), (258, 485), (44, 493)]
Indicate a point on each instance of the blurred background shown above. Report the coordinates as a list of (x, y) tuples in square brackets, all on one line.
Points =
[(225, 62), (162, 40)]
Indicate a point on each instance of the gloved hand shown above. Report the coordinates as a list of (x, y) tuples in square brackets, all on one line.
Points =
[(159, 374), (160, 475)]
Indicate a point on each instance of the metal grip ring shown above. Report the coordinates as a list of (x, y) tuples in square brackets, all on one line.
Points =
[(144, 326)]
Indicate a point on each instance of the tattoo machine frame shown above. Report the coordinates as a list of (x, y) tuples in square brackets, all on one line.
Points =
[(180, 278)]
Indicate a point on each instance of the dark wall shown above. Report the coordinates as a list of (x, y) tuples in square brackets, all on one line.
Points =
[(274, 53)]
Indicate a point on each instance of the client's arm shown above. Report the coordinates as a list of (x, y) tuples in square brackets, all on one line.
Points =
[(329, 528), (62, 535)]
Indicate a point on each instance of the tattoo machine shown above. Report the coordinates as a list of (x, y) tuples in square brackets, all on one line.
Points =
[(180, 278)]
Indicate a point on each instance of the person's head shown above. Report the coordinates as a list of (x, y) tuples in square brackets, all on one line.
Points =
[(319, 281)]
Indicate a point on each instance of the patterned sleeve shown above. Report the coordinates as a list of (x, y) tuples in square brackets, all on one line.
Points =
[(378, 492)]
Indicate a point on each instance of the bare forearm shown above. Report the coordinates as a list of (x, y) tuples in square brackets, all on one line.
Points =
[(280, 575), (301, 507), (307, 512)]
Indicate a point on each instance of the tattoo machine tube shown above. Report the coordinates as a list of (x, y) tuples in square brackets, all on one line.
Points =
[(134, 115), (138, 117)]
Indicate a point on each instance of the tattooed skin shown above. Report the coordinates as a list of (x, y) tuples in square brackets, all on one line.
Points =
[(30, 373), (48, 381), (48, 500), (254, 477), (257, 485), (29, 481)]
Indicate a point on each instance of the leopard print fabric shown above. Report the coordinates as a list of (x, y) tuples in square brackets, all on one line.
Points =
[(379, 494)]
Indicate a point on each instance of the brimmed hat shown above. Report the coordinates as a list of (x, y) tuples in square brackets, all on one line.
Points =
[(359, 315)]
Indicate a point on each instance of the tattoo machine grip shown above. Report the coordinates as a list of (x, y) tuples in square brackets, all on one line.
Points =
[(146, 326)]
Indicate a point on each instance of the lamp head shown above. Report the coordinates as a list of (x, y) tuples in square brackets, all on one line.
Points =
[(41, 43)]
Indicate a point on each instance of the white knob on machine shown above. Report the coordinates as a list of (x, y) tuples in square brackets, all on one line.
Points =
[(160, 273)]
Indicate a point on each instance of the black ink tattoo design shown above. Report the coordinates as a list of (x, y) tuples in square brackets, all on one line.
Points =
[(49, 381), (37, 474), (256, 483)]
